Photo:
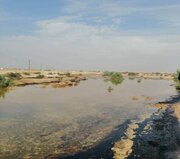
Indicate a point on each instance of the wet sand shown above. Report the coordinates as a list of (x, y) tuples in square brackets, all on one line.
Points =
[(156, 137)]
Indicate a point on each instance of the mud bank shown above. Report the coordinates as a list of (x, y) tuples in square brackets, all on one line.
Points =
[(58, 82), (149, 75), (156, 137), (102, 150)]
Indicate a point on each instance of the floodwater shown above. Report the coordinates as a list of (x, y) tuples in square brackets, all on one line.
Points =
[(36, 122)]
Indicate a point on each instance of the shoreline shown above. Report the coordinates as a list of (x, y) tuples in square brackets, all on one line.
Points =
[(155, 137), (146, 138), (60, 79), (101, 149)]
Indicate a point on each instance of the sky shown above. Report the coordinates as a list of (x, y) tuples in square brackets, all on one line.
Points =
[(119, 35)]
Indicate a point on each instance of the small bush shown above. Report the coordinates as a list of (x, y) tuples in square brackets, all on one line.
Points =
[(157, 73), (26, 73), (107, 73), (177, 75), (178, 86), (40, 76), (68, 74), (13, 75), (50, 73), (5, 82), (115, 77), (132, 74), (37, 73), (59, 74), (177, 80)]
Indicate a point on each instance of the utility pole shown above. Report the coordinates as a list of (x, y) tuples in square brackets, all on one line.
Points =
[(41, 67), (29, 64)]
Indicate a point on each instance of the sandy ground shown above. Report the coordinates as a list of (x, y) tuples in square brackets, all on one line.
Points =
[(145, 75), (63, 78)]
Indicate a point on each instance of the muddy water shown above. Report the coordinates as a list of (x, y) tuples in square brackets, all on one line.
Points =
[(36, 122)]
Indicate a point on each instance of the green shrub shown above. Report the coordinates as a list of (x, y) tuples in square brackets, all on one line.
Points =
[(177, 80), (37, 73), (68, 74), (178, 86), (157, 73), (5, 82), (107, 73), (40, 76), (50, 73), (114, 77), (13, 75), (26, 73), (177, 75), (59, 74), (132, 74)]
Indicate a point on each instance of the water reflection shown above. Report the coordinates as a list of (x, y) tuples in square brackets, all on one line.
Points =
[(36, 122), (3, 91), (110, 89), (114, 77), (139, 80), (131, 78)]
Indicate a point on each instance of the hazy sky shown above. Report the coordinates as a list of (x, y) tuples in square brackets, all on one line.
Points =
[(134, 35)]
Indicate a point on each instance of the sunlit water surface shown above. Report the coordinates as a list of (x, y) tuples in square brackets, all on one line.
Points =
[(36, 121)]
